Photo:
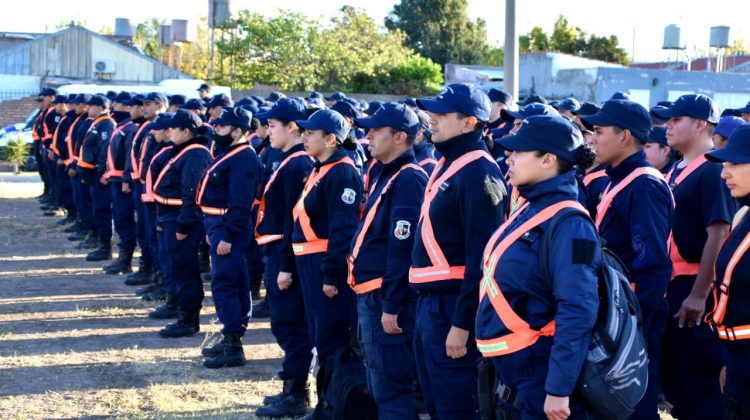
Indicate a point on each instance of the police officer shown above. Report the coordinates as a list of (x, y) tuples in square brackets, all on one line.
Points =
[(180, 218), (333, 98), (635, 217), (463, 203), (225, 196), (92, 165), (43, 129), (500, 100), (217, 104), (176, 102), (196, 106), (386, 303), (204, 92), (725, 128), (60, 150), (74, 139), (745, 112), (658, 152), (731, 316), (703, 212), (540, 374), (274, 229), (424, 150)]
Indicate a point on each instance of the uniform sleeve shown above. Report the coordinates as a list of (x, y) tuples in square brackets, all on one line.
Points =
[(575, 257), (128, 135), (717, 203), (191, 174), (50, 124), (244, 178), (406, 200), (344, 195), (294, 182), (482, 200), (104, 135)]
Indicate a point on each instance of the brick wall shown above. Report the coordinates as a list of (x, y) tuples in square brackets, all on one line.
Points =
[(16, 110)]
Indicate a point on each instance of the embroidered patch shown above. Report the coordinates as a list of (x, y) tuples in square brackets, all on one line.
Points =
[(403, 229), (348, 196), (57, 119), (104, 135)]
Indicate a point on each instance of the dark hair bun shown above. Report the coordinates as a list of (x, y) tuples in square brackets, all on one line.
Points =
[(203, 130), (585, 156), (349, 143)]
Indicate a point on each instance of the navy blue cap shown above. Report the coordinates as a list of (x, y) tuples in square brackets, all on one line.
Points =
[(60, 99), (184, 119), (259, 99), (178, 100), (48, 92), (737, 149), (372, 107), (528, 111), (623, 114), (327, 120), (336, 96), (111, 95), (353, 102), (250, 107), (587, 108), (315, 95), (746, 108), (286, 109), (243, 101), (731, 112), (621, 95), (547, 133), (424, 123), (72, 97), (500, 132), (346, 109), (194, 104), (363, 104), (411, 101), (82, 98), (157, 97), (697, 106), (221, 100), (204, 86), (161, 122), (727, 125), (658, 135), (569, 104), (275, 96), (554, 104), (665, 104), (98, 100), (459, 97), (123, 97), (399, 117), (499, 95), (237, 117), (533, 99)]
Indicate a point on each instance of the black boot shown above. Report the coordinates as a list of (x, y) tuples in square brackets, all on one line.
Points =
[(122, 265), (75, 227), (216, 349), (150, 287), (261, 310), (66, 220), (167, 310), (274, 399), (293, 404), (188, 323), (231, 354), (155, 295), (142, 276), (103, 253), (80, 235), (90, 242)]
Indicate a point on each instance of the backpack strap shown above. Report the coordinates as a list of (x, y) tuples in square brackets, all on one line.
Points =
[(556, 220)]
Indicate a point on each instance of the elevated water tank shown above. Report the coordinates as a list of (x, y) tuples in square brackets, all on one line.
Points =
[(182, 31), (672, 38), (164, 35), (719, 37), (218, 12), (123, 28)]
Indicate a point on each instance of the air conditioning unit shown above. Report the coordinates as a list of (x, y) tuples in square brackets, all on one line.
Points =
[(103, 66)]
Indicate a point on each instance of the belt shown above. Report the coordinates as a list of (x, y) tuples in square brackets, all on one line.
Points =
[(312, 247)]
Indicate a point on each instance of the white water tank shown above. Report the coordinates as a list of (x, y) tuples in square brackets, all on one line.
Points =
[(164, 35), (719, 37), (218, 12), (123, 28), (182, 31), (672, 38)]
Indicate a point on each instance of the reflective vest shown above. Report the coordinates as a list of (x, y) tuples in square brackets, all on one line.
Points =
[(609, 195), (372, 284), (136, 172), (516, 201), (53, 145), (69, 140), (82, 163), (111, 167), (590, 177), (215, 211), (440, 269), (168, 201), (680, 267), (521, 335), (148, 195), (366, 178), (427, 161), (47, 134), (312, 244), (267, 239)]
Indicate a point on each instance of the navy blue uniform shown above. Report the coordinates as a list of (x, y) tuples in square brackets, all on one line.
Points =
[(180, 182), (144, 230), (692, 356), (384, 288), (85, 217), (123, 208), (157, 238), (332, 205), (92, 167), (49, 125), (464, 213), (594, 183), (287, 307), (550, 365), (64, 191), (636, 228), (425, 154)]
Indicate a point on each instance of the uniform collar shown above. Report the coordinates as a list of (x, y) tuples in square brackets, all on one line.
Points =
[(636, 160), (294, 149), (71, 114), (406, 158), (550, 191), (335, 157), (423, 148), (194, 140), (744, 201), (458, 146)]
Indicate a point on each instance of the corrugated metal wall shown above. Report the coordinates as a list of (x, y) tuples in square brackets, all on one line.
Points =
[(127, 65), (15, 60)]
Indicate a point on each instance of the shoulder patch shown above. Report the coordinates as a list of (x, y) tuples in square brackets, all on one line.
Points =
[(57, 119), (104, 135), (348, 196), (402, 230)]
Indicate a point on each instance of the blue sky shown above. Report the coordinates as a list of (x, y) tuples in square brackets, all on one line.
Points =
[(639, 24)]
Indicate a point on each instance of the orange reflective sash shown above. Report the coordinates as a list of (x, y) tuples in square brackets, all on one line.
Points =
[(148, 195), (215, 211), (590, 177), (609, 195), (47, 134), (82, 163), (680, 267), (372, 284), (312, 244), (136, 170), (440, 269), (53, 146), (428, 161), (721, 297), (516, 201), (111, 168), (34, 134), (166, 200), (368, 174), (521, 335), (267, 239)]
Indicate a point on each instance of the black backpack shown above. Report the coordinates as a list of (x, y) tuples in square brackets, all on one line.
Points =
[(342, 389), (615, 373)]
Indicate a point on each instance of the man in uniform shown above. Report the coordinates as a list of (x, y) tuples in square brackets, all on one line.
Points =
[(204, 91), (500, 100)]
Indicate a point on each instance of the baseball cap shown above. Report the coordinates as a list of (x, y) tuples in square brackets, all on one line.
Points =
[(621, 95), (499, 95), (569, 104), (161, 122), (623, 114), (60, 99), (123, 97), (587, 108), (459, 97), (327, 120), (237, 117), (194, 104), (697, 106), (48, 92), (731, 112), (533, 99), (315, 95), (336, 96), (221, 100), (737, 149), (346, 109), (99, 100), (399, 117), (286, 109), (372, 107), (528, 111), (745, 108), (157, 97), (424, 123), (184, 119), (275, 96), (410, 101), (204, 86), (178, 100), (727, 125), (658, 135), (136, 100), (548, 133)]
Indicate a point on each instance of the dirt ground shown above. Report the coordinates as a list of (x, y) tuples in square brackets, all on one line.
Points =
[(76, 343)]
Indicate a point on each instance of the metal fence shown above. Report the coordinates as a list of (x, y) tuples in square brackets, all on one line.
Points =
[(9, 94)]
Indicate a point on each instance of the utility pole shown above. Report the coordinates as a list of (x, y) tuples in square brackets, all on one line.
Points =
[(510, 62)]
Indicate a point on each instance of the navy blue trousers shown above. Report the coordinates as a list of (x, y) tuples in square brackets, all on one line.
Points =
[(123, 214), (737, 361), (389, 359), (136, 189), (149, 231), (184, 265), (449, 386), (86, 210), (331, 320), (168, 282), (288, 320), (65, 190), (75, 187), (230, 284), (101, 200)]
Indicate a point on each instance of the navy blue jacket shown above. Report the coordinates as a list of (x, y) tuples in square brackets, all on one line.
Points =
[(118, 145), (80, 126), (94, 148), (181, 182), (129, 140), (233, 185), (636, 227), (62, 134), (574, 258), (464, 214), (51, 121), (385, 250), (425, 154), (281, 197), (333, 216), (144, 137), (595, 189), (270, 158)]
